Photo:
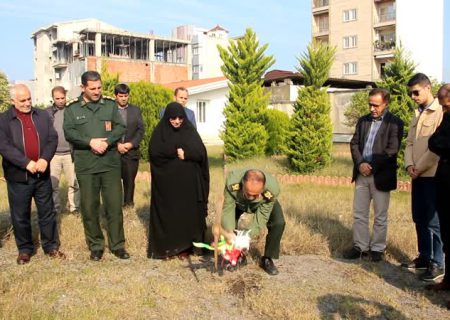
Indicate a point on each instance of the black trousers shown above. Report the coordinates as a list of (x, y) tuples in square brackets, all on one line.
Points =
[(275, 228), (129, 172), (19, 197), (443, 207)]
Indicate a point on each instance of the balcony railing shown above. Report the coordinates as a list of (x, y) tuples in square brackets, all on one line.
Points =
[(321, 3), (324, 27), (379, 45), (386, 17)]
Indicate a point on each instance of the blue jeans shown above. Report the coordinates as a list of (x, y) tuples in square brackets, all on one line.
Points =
[(423, 200), (19, 197)]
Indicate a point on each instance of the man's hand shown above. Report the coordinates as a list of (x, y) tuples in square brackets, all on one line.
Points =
[(124, 147), (365, 169), (121, 148), (98, 145), (230, 236), (41, 165), (412, 172), (180, 153), (31, 167)]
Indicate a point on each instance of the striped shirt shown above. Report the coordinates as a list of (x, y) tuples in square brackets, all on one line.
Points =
[(375, 126)]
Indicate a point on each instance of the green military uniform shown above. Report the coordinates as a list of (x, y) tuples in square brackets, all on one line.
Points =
[(266, 210), (97, 173)]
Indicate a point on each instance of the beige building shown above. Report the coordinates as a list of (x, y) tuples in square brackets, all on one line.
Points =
[(365, 33)]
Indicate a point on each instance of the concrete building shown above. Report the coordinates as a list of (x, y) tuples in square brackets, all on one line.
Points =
[(206, 60), (365, 33), (207, 98), (64, 50)]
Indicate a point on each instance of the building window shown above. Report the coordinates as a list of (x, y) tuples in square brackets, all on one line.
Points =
[(196, 69), (201, 111), (350, 68), (350, 42), (195, 50), (349, 15)]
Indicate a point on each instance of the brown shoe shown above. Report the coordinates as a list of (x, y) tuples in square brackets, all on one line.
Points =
[(440, 286), (23, 258), (56, 254), (183, 255)]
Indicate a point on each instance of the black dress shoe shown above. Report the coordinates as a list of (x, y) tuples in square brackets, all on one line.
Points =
[(96, 255), (376, 256), (121, 253), (267, 265)]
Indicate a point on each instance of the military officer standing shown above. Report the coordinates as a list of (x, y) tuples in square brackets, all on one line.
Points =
[(255, 192), (93, 125)]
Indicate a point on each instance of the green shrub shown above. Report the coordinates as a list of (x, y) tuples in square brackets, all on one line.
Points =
[(151, 98), (358, 107), (277, 127)]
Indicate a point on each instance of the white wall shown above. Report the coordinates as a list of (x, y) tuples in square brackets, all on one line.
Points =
[(420, 29), (216, 99)]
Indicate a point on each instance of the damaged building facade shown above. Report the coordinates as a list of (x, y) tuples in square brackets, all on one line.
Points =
[(63, 51)]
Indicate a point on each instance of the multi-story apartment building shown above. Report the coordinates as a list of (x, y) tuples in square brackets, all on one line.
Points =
[(366, 32), (63, 51), (206, 60)]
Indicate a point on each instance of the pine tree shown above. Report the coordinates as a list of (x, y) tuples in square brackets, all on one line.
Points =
[(244, 64), (309, 142), (395, 79), (109, 80), (4, 93)]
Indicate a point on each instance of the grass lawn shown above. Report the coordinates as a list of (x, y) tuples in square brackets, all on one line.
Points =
[(314, 283)]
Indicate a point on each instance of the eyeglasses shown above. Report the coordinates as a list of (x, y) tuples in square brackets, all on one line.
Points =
[(414, 93)]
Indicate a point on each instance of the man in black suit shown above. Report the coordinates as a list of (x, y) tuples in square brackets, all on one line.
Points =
[(128, 146), (374, 149)]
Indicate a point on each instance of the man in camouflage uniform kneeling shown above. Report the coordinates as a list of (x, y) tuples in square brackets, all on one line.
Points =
[(255, 192)]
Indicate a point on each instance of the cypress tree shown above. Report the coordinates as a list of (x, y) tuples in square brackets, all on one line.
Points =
[(244, 64), (4, 93), (395, 79), (309, 142)]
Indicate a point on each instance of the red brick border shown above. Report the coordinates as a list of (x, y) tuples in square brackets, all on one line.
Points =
[(320, 180)]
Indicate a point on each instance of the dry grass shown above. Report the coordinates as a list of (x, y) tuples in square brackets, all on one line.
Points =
[(314, 282)]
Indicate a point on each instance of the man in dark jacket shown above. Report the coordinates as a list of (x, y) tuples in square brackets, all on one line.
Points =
[(28, 143), (374, 149), (128, 145)]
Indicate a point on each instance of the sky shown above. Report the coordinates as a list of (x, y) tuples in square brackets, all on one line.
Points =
[(285, 25)]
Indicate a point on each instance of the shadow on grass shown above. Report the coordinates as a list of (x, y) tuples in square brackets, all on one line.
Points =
[(341, 306), (216, 160), (339, 238), (5, 227)]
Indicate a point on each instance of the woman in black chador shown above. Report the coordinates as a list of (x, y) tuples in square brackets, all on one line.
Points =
[(179, 185)]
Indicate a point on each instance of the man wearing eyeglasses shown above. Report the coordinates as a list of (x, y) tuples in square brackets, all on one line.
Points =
[(255, 192), (421, 165)]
